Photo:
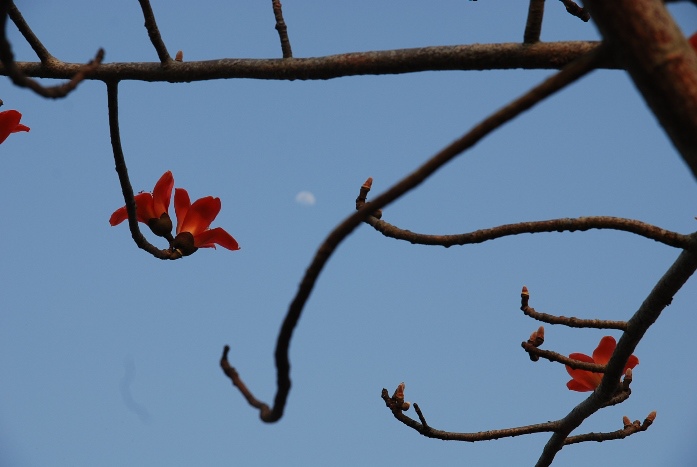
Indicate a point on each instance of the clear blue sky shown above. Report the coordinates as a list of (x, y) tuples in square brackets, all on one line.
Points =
[(109, 357)]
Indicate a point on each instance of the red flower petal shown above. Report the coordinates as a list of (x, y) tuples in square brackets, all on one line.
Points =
[(162, 194), (605, 349), (118, 216), (199, 216), (144, 207), (182, 203), (575, 385), (9, 123), (209, 238)]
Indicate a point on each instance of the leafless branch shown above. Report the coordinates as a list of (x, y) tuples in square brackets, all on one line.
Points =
[(19, 78), (571, 322), (629, 429), (154, 32), (282, 29), (41, 52), (122, 171), (569, 74), (576, 10), (533, 25), (511, 56)]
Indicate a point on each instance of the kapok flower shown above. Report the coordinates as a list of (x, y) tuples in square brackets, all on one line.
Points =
[(9, 123), (193, 222), (584, 380), (151, 209)]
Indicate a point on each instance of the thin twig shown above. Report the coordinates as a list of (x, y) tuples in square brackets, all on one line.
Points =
[(154, 32), (571, 322), (628, 430), (282, 29), (576, 10), (556, 82), (41, 52), (12, 70), (533, 25), (122, 171), (557, 357)]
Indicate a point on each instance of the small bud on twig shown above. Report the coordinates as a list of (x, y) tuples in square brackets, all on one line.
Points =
[(626, 421), (180, 56)]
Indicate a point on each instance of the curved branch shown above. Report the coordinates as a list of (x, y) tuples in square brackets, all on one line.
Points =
[(458, 57), (19, 78), (556, 82), (643, 229), (122, 171)]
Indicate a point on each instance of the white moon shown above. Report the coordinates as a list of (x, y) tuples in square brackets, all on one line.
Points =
[(305, 198)]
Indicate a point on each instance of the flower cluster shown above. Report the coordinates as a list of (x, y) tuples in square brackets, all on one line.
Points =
[(9, 123), (584, 380), (193, 220)]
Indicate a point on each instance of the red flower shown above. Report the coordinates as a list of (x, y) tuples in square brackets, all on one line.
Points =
[(9, 123), (193, 222), (152, 208), (584, 380)]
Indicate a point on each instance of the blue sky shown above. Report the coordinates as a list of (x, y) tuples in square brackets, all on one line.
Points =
[(110, 357)]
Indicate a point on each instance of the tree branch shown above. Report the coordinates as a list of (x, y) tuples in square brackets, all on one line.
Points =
[(533, 25), (154, 32), (282, 29), (556, 82), (458, 57)]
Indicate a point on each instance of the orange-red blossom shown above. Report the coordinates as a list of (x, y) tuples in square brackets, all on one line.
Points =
[(583, 380), (151, 209), (9, 123), (193, 222)]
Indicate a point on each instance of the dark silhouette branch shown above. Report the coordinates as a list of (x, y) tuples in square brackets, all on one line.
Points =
[(122, 171), (282, 29), (567, 75), (533, 25), (660, 297), (19, 78), (576, 10), (551, 56), (571, 322), (154, 32)]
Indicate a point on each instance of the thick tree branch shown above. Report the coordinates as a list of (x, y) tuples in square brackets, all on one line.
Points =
[(458, 57), (646, 40), (556, 82)]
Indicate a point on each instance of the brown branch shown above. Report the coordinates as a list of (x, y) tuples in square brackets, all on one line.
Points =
[(649, 311), (458, 57), (576, 10), (122, 171), (557, 357), (533, 25), (282, 29), (429, 432), (154, 32), (239, 384), (628, 430), (41, 52), (581, 224), (552, 84), (571, 322), (14, 71), (644, 37)]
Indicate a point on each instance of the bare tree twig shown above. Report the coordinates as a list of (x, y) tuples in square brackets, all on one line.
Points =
[(581, 224), (282, 29), (628, 430), (154, 32), (41, 52), (457, 57), (576, 10), (571, 322), (556, 82), (533, 25), (122, 171), (11, 69)]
